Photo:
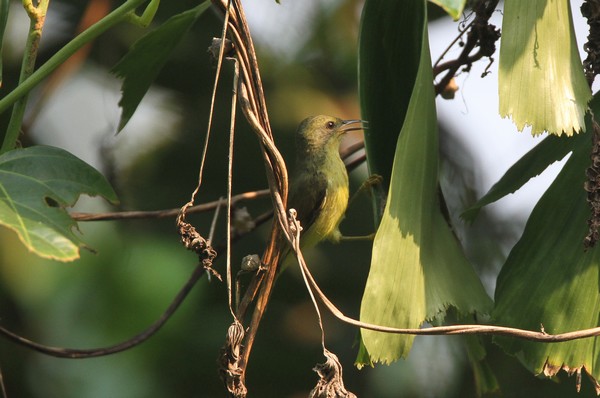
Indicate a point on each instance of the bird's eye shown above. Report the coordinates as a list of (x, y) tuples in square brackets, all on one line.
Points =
[(330, 125)]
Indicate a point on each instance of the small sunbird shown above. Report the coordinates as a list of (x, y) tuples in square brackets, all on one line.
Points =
[(319, 186), (319, 193)]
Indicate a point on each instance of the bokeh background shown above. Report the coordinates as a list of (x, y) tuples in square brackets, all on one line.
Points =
[(308, 55)]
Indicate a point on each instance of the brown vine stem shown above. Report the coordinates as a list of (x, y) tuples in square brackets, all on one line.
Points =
[(132, 342), (230, 182), (297, 229), (540, 336), (235, 199), (129, 215), (253, 105), (190, 203)]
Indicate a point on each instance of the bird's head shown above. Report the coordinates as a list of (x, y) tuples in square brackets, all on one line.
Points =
[(320, 132)]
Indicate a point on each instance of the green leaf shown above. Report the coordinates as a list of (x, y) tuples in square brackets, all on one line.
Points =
[(35, 185), (552, 149), (141, 65), (541, 80), (453, 7), (389, 59), (418, 269), (550, 281)]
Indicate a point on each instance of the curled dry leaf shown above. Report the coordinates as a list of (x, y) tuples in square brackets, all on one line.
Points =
[(229, 367), (552, 370), (193, 241), (330, 384)]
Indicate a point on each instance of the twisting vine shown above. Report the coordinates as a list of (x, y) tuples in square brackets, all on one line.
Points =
[(235, 354), (238, 346)]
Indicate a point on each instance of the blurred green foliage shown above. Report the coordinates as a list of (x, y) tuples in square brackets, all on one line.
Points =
[(139, 266)]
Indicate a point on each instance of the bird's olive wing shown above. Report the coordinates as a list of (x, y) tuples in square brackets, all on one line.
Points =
[(307, 196)]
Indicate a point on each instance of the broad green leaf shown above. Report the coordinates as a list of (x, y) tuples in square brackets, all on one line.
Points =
[(453, 7), (541, 80), (418, 269), (552, 149), (141, 65), (550, 281), (35, 185)]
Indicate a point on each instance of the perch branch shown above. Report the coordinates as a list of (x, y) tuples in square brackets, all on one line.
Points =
[(132, 342), (540, 336), (129, 215)]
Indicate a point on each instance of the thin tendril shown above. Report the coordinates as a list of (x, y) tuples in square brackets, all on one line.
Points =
[(210, 114), (229, 184)]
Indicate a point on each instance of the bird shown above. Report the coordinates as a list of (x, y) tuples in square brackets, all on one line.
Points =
[(319, 193), (319, 188)]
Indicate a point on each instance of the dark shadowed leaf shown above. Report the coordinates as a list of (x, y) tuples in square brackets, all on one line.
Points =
[(141, 65), (389, 56)]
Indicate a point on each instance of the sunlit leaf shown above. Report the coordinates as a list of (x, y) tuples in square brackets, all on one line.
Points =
[(541, 80), (552, 149), (549, 281), (418, 269), (141, 65), (35, 185), (453, 7)]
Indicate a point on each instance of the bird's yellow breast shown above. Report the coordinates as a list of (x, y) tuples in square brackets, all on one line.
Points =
[(335, 202)]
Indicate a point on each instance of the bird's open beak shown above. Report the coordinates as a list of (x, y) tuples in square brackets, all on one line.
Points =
[(350, 125)]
